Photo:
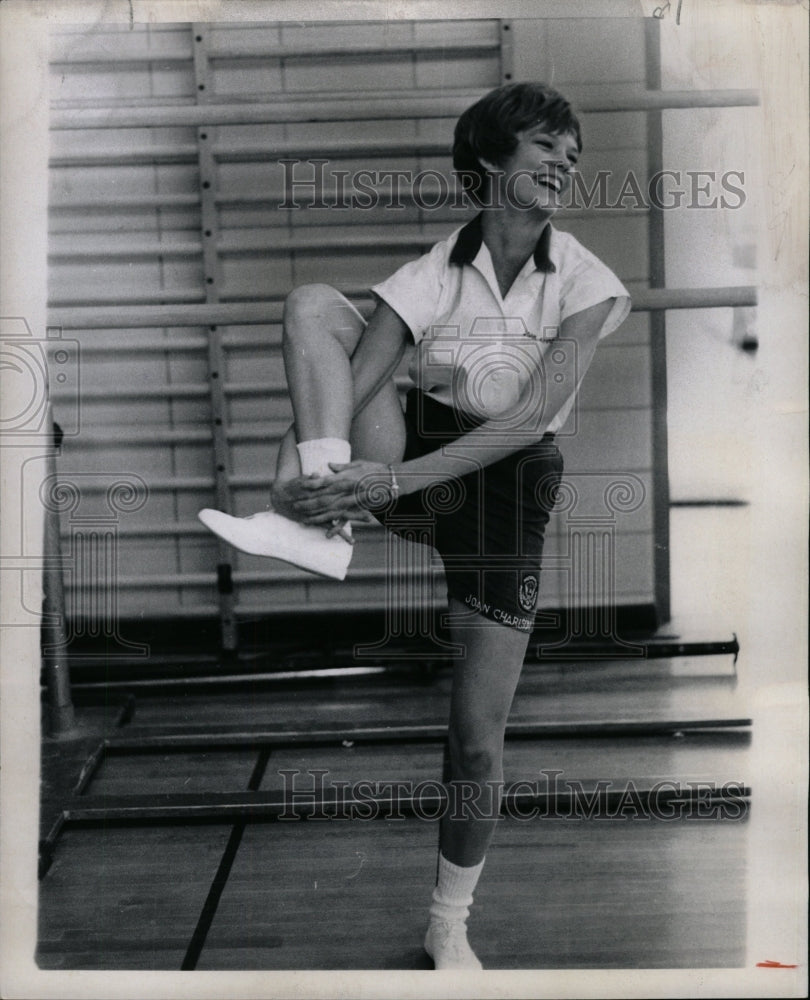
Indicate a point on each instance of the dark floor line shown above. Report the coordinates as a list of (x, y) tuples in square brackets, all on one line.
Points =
[(209, 909)]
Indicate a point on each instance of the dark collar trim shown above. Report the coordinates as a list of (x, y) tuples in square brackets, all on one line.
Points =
[(469, 240)]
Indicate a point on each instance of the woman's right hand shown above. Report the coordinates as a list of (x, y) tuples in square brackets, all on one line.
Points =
[(285, 495)]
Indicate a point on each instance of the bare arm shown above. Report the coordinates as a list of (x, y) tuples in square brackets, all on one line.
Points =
[(494, 440), (331, 496)]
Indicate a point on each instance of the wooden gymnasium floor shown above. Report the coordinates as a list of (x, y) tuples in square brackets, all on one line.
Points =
[(558, 891)]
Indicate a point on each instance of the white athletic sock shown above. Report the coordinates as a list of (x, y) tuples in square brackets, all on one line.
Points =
[(453, 894), (316, 455)]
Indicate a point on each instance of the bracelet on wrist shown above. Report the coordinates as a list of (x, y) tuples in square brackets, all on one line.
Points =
[(394, 483)]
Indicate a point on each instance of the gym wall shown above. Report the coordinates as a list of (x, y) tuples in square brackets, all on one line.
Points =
[(174, 217)]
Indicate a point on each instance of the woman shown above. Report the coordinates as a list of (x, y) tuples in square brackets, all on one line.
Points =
[(506, 315)]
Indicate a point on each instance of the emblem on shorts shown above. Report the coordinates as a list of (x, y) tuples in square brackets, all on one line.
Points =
[(528, 592)]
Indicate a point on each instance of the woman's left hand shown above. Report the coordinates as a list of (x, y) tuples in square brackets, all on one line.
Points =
[(348, 495)]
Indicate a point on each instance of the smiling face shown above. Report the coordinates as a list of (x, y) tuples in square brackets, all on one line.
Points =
[(537, 175)]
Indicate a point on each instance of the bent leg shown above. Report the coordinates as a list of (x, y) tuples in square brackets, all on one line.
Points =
[(331, 357), (339, 373)]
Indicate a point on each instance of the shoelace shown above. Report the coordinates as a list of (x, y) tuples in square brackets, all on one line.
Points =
[(451, 938)]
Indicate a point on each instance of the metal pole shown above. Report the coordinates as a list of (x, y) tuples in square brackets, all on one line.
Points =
[(61, 717)]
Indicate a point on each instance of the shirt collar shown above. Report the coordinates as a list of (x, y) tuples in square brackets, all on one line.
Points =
[(471, 236)]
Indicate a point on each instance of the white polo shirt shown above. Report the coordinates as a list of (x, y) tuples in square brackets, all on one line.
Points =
[(476, 349)]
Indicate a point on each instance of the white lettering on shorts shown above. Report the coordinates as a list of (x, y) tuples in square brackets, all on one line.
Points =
[(498, 614), (473, 601)]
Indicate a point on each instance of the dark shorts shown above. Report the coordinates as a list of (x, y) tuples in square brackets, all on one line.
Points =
[(488, 525)]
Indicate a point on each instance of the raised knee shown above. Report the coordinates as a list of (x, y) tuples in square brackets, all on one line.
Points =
[(306, 303)]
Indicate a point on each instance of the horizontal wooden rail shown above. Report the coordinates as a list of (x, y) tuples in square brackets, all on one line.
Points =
[(260, 151), (75, 50), (171, 529), (232, 340), (260, 48), (180, 152), (256, 151), (258, 313), (152, 345), (125, 202), (238, 390), (357, 108), (446, 209), (264, 432), (143, 437), (274, 241), (225, 48), (249, 243), (175, 390), (172, 483), (117, 298), (134, 251), (167, 610), (159, 297), (282, 575), (242, 481), (152, 297), (162, 484), (180, 390)]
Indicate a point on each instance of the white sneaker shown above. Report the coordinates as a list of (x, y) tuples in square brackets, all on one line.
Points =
[(277, 537), (446, 943)]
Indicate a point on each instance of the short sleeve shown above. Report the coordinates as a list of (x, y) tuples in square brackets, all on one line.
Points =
[(590, 283), (414, 291)]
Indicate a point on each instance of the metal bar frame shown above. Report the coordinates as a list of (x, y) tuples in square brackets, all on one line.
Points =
[(346, 667), (253, 806), (257, 806)]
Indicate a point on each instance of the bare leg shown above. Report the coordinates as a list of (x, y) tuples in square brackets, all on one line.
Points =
[(328, 356), (484, 682), (339, 371)]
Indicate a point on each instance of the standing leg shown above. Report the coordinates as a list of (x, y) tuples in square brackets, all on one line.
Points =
[(484, 681)]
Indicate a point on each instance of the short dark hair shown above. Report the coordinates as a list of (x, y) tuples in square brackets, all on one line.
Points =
[(488, 130)]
